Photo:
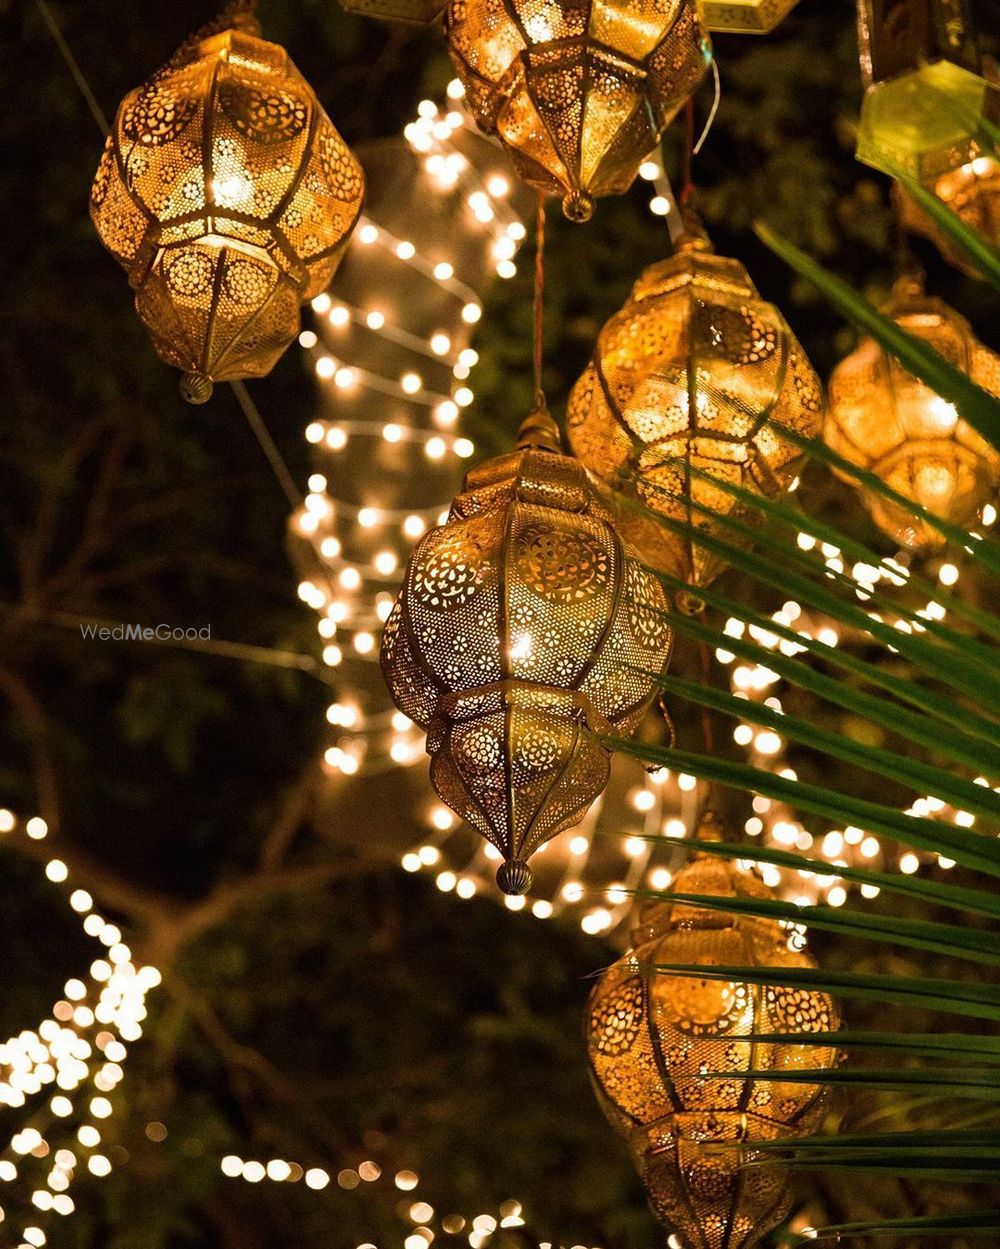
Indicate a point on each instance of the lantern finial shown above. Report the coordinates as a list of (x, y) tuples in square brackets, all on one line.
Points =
[(196, 388), (539, 432)]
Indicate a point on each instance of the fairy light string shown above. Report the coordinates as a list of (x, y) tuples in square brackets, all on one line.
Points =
[(355, 520), (64, 1073)]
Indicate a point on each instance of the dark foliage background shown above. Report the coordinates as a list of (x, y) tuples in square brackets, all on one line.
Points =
[(318, 1005)]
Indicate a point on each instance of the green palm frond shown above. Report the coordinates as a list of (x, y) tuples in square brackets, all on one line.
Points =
[(928, 685)]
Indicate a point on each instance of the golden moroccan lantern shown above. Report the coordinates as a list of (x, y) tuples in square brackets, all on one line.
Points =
[(524, 626), (685, 379), (578, 93), (745, 17), (972, 192), (885, 420), (669, 1069), (227, 195), (925, 101)]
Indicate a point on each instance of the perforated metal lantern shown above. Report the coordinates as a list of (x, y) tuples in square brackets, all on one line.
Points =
[(684, 380), (523, 626), (227, 195), (745, 17), (670, 1072), (578, 93), (972, 192), (885, 420)]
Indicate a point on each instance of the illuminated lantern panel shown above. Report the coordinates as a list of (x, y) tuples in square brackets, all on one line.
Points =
[(745, 17), (972, 192), (670, 1072), (926, 123), (577, 93), (885, 420), (523, 623), (684, 380), (227, 195)]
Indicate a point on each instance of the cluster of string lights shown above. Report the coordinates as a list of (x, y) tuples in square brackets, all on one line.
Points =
[(420, 1222), (64, 1072), (626, 841), (774, 822), (360, 548)]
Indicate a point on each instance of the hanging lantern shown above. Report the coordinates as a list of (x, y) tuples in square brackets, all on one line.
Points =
[(745, 17), (670, 1072), (686, 377), (925, 101), (972, 192), (578, 93), (227, 195), (523, 626), (887, 421)]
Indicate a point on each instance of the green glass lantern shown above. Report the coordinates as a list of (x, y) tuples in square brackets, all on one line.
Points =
[(925, 105)]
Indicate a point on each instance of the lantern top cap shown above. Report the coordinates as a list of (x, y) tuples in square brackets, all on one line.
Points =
[(238, 16), (539, 432), (710, 827), (693, 237)]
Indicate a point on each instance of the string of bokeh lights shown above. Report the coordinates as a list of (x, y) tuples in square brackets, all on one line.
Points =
[(354, 596), (774, 822), (64, 1073), (420, 1223)]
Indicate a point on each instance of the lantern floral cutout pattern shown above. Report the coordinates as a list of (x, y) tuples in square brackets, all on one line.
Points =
[(669, 1069), (523, 627), (227, 195), (885, 420), (680, 394), (577, 93)]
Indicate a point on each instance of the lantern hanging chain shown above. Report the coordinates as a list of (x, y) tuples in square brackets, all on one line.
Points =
[(716, 101), (687, 184), (250, 409), (73, 66), (539, 304)]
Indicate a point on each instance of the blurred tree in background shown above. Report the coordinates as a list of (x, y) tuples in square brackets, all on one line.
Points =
[(318, 1005)]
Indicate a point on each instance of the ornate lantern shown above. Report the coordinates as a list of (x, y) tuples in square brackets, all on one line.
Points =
[(687, 377), (925, 100), (670, 1072), (885, 420), (227, 195), (524, 626), (577, 93), (745, 17), (972, 192)]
